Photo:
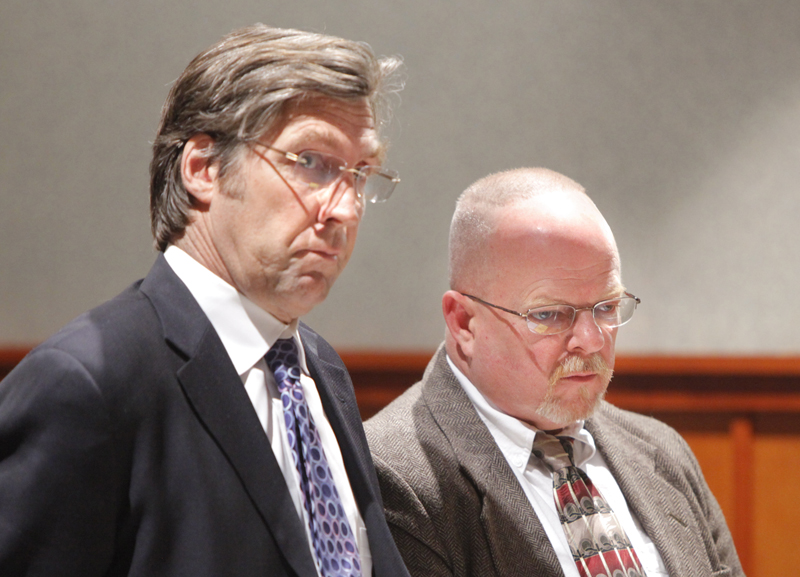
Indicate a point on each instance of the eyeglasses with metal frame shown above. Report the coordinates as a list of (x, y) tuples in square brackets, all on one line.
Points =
[(555, 319), (318, 169)]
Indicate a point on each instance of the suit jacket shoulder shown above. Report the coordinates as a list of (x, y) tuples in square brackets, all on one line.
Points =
[(129, 447)]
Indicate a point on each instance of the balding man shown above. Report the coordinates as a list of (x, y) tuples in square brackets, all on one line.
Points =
[(505, 460)]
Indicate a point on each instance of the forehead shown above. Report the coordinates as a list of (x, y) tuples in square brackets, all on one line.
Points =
[(585, 286), (332, 125), (548, 260)]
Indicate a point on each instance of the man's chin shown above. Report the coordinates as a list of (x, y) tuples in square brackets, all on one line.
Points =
[(563, 412), (299, 297)]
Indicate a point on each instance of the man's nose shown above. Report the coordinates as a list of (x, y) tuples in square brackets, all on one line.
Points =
[(341, 201), (585, 335)]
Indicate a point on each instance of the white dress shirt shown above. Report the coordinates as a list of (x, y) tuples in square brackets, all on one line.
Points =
[(514, 438), (247, 332)]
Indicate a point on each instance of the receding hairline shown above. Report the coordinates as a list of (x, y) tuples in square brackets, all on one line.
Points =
[(306, 105), (505, 188), (474, 219)]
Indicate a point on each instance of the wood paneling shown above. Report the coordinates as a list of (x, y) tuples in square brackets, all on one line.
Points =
[(776, 472), (9, 357), (740, 415)]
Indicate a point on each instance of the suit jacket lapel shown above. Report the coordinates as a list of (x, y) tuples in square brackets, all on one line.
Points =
[(215, 391), (519, 545), (660, 506), (339, 402)]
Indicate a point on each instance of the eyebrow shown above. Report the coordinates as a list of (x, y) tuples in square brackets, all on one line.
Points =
[(546, 302), (320, 136), (376, 150)]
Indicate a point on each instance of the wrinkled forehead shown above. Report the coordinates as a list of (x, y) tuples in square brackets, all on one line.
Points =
[(325, 120)]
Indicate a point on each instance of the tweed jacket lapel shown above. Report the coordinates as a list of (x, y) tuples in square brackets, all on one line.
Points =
[(650, 487), (215, 391), (519, 545)]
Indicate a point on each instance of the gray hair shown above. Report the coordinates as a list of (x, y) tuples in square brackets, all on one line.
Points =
[(474, 217), (236, 92)]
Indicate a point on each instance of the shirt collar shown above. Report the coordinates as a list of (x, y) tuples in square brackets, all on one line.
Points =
[(515, 437), (583, 448), (246, 330)]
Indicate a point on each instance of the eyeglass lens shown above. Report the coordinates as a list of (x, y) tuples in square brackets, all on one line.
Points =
[(555, 319), (319, 170)]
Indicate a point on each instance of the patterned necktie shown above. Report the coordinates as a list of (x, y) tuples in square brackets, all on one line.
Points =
[(598, 542), (333, 539)]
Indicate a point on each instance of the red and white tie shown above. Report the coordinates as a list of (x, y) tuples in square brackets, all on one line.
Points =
[(598, 542)]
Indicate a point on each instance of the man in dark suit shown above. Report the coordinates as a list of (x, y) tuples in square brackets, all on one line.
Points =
[(505, 460), (191, 425)]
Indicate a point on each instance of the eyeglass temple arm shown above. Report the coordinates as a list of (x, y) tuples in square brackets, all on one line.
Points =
[(359, 172), (523, 315), (637, 299)]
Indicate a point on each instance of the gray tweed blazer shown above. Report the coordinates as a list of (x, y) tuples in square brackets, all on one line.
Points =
[(456, 509)]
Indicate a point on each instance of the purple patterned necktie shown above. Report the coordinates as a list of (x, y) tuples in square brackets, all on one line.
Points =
[(598, 542), (333, 539)]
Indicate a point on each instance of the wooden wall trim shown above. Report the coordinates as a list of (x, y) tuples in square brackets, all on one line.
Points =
[(10, 356), (686, 402), (751, 365), (709, 365), (386, 360), (666, 365), (671, 384)]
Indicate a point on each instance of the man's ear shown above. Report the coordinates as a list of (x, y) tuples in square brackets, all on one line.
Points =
[(459, 312), (198, 174)]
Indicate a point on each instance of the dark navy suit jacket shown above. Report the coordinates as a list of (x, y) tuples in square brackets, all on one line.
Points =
[(128, 446)]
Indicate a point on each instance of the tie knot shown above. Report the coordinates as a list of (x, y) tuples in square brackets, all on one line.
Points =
[(284, 362), (555, 452)]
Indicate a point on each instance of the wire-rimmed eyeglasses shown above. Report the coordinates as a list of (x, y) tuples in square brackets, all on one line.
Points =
[(555, 319), (318, 170)]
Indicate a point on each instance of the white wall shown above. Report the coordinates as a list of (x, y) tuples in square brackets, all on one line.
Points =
[(682, 119)]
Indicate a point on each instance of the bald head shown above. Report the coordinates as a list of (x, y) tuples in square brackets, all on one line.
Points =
[(555, 208)]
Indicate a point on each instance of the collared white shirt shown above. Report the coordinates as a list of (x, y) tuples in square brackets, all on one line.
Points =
[(514, 438), (247, 332)]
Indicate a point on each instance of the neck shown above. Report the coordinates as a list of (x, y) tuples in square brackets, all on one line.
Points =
[(200, 247)]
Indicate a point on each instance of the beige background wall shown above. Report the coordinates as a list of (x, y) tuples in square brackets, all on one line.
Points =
[(682, 119)]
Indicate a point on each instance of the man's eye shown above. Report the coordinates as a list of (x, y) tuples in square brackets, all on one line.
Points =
[(310, 160), (543, 316), (609, 308)]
